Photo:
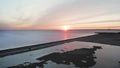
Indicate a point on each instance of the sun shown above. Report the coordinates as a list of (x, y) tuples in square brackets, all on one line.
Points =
[(65, 27)]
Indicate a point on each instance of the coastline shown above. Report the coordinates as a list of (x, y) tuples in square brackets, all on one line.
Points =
[(110, 39), (113, 39)]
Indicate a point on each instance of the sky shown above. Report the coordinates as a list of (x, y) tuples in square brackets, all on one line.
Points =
[(54, 14)]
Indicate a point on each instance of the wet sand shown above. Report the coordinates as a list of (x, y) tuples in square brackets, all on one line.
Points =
[(111, 39)]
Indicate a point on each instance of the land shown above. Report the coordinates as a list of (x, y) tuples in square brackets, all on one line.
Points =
[(102, 38)]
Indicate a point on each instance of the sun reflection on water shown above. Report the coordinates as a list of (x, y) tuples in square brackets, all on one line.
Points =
[(65, 35)]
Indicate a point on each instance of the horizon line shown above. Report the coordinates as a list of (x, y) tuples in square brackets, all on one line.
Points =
[(59, 29)]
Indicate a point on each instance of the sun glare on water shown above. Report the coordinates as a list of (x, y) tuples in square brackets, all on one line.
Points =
[(65, 27)]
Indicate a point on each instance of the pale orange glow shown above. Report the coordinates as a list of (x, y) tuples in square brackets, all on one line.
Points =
[(65, 27), (65, 35)]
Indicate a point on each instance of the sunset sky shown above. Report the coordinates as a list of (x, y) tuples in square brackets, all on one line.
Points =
[(54, 14)]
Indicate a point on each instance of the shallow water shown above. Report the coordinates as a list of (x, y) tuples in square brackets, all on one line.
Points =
[(107, 57)]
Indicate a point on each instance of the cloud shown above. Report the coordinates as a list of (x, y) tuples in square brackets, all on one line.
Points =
[(72, 11), (101, 21), (4, 26), (50, 14)]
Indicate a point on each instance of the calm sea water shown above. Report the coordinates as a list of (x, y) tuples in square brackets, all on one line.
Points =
[(107, 57), (12, 39)]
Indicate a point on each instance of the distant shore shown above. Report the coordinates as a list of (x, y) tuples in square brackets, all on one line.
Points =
[(111, 39), (103, 38)]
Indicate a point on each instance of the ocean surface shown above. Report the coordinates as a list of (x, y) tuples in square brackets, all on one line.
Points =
[(13, 39), (107, 57)]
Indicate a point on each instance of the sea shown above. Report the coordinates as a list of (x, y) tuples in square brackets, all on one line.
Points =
[(107, 57), (19, 38)]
